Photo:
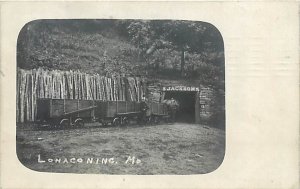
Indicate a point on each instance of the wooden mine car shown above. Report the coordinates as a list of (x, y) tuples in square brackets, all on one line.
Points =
[(158, 111), (62, 113), (118, 112)]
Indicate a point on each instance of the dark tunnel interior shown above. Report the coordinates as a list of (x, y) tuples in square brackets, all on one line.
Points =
[(186, 100)]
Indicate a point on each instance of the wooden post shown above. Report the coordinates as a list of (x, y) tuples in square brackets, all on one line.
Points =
[(22, 95)]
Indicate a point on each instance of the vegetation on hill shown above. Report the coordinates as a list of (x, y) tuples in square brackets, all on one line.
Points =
[(168, 48)]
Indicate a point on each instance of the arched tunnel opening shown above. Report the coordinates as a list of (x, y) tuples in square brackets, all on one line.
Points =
[(186, 101)]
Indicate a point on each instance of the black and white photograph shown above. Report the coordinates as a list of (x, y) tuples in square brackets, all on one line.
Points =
[(149, 94), (120, 96)]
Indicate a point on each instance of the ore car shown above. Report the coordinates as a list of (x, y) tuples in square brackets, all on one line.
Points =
[(63, 113)]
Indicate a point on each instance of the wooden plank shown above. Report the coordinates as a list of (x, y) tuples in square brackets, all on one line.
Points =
[(116, 89), (85, 103), (87, 87), (127, 113), (62, 86), (35, 93), (122, 107), (53, 86), (71, 105), (75, 85), (99, 84), (94, 88), (136, 87), (119, 89), (79, 86), (71, 81), (81, 111), (50, 94), (123, 89), (99, 92), (57, 107), (104, 88), (43, 109), (111, 109), (51, 107), (44, 85), (18, 96), (27, 97)]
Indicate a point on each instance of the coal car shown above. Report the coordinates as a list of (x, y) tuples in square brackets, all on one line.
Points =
[(66, 113)]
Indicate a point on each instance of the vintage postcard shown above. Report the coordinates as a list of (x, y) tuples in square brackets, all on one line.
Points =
[(149, 95)]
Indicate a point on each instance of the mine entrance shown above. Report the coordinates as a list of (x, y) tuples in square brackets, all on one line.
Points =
[(187, 101)]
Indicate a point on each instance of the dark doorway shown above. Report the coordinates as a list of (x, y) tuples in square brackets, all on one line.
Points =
[(186, 100)]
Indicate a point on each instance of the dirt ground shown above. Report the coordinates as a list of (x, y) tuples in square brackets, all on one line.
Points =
[(178, 148)]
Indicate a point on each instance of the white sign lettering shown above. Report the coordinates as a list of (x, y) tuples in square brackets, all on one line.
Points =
[(180, 88)]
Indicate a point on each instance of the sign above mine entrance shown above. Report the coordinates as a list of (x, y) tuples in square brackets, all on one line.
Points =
[(180, 88)]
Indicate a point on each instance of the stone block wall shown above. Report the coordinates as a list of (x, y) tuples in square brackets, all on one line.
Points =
[(206, 95)]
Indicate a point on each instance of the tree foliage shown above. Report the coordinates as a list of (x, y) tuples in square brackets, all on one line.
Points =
[(195, 43), (151, 47)]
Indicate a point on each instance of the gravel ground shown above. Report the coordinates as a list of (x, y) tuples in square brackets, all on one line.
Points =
[(178, 148)]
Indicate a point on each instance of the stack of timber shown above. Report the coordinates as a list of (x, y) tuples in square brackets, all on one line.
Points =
[(57, 84)]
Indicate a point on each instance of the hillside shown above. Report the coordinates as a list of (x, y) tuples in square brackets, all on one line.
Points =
[(92, 52), (113, 47)]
